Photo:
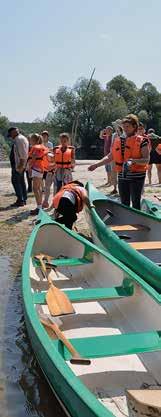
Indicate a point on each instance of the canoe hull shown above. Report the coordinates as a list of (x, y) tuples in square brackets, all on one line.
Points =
[(77, 401), (106, 238), (88, 391)]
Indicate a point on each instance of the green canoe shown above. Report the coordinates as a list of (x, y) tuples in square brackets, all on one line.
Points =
[(151, 207), (133, 236), (115, 323)]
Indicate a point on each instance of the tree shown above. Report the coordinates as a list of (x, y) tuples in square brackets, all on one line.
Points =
[(125, 89), (4, 124), (69, 103), (143, 117), (149, 99), (115, 106)]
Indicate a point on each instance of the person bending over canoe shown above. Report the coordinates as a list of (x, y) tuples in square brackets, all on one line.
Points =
[(131, 157), (70, 200)]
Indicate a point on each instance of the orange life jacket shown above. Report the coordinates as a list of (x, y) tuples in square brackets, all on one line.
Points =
[(132, 151), (49, 163), (75, 189), (37, 157), (63, 159)]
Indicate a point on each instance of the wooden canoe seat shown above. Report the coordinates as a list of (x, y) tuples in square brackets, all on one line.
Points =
[(64, 262), (146, 245), (145, 398), (91, 294), (126, 227), (116, 345)]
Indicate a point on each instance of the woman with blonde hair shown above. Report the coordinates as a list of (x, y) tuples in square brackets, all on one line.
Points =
[(37, 163)]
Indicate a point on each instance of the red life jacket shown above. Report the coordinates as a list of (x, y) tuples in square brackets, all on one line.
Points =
[(132, 151), (75, 189)]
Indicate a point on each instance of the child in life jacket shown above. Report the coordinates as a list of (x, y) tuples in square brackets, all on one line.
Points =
[(64, 157), (69, 201), (37, 162)]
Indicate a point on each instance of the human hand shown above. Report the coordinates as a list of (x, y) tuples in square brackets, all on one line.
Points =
[(92, 167)]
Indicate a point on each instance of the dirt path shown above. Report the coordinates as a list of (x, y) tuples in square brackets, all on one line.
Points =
[(16, 224)]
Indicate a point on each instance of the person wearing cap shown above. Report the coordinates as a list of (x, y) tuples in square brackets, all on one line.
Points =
[(131, 157), (106, 135), (18, 159)]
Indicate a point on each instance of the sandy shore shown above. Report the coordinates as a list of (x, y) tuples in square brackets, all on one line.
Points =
[(16, 224)]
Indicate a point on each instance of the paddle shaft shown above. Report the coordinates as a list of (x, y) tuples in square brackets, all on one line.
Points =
[(76, 358), (43, 268)]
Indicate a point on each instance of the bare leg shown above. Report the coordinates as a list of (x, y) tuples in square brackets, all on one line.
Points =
[(109, 178), (114, 181), (159, 172), (48, 183), (149, 173), (37, 189)]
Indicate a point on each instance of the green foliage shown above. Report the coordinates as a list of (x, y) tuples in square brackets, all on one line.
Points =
[(4, 147), (37, 126), (83, 114), (143, 117), (125, 89)]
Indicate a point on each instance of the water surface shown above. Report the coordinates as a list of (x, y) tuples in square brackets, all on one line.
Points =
[(24, 391)]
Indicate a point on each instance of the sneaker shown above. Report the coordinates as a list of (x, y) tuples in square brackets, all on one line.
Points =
[(45, 205), (17, 204), (34, 212)]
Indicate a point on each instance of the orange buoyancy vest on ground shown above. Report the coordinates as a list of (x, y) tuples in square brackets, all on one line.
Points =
[(75, 189), (132, 150), (63, 159), (37, 157)]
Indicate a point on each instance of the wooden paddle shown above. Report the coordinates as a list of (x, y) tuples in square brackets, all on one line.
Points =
[(58, 302), (76, 358)]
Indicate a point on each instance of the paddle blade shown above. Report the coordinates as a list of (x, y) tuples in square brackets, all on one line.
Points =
[(58, 303)]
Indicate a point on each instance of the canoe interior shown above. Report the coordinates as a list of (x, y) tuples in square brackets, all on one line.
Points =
[(146, 228), (109, 377)]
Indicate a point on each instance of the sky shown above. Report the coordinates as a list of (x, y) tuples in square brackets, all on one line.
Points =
[(45, 44)]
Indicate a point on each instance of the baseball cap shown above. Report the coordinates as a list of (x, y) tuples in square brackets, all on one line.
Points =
[(45, 132)]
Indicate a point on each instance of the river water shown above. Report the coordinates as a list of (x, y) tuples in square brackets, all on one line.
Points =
[(24, 391)]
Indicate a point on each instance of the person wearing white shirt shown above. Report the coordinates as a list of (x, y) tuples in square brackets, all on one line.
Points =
[(20, 155)]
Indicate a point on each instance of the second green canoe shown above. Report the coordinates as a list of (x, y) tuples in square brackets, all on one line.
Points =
[(132, 236)]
